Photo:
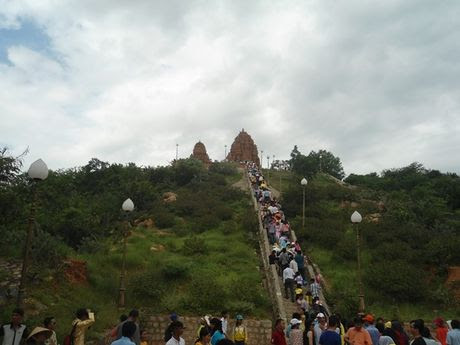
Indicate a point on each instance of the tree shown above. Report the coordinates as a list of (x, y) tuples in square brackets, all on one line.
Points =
[(311, 164), (10, 166)]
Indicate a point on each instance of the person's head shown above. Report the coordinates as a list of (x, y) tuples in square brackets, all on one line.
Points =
[(416, 327), (380, 320), (133, 315), (39, 335), (216, 324), (17, 315), (144, 335), (296, 316), (50, 323), (82, 314), (177, 328), (239, 319), (380, 327), (128, 329), (273, 252), (321, 318), (358, 322), (396, 326), (283, 250), (224, 314), (204, 335), (312, 280), (279, 324), (123, 317), (438, 322), (333, 321), (455, 324), (369, 319), (173, 317)]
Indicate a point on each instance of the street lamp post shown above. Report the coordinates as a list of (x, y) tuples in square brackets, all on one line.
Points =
[(38, 171), (127, 207), (320, 163), (304, 183), (356, 219), (268, 167)]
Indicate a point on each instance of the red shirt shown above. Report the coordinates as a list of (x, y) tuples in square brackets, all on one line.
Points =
[(278, 338), (441, 334)]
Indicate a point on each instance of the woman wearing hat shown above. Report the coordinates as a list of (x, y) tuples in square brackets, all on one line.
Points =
[(296, 335), (38, 336), (240, 336)]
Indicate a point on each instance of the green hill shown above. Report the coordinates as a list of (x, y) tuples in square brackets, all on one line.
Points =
[(194, 255)]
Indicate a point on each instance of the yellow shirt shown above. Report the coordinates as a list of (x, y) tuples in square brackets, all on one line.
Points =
[(239, 334), (80, 329)]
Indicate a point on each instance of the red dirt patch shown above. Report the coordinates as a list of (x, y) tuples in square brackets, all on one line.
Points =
[(76, 271)]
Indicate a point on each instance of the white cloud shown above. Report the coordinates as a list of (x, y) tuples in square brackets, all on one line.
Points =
[(375, 83)]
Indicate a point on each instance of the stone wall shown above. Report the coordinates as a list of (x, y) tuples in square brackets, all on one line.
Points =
[(259, 331)]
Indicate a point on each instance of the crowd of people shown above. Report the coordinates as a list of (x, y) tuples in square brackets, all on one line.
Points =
[(210, 331)]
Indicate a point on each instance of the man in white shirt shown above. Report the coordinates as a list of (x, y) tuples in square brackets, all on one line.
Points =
[(288, 280), (177, 331), (294, 266)]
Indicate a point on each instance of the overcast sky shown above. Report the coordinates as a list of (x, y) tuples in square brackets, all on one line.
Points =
[(377, 83)]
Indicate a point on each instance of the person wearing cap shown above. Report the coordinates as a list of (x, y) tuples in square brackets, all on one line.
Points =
[(169, 330), (38, 336), (128, 329), (177, 331), (240, 335), (320, 327), (295, 335), (384, 339), (369, 326), (330, 335), (278, 337), (14, 333), (84, 319), (357, 335)]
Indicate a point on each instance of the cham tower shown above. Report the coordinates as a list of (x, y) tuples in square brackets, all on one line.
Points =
[(243, 149), (199, 152)]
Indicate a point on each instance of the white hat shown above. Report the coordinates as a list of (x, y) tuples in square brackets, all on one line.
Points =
[(295, 322), (320, 315)]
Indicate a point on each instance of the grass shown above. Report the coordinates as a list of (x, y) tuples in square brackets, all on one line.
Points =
[(161, 276), (278, 178), (341, 277)]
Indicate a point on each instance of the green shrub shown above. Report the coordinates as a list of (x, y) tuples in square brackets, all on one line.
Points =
[(228, 227), (194, 246), (223, 212), (205, 295), (147, 286), (175, 270), (164, 220)]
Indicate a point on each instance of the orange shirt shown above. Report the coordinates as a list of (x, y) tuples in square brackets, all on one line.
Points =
[(358, 337)]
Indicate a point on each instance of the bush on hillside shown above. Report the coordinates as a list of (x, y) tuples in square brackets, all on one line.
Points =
[(147, 285), (175, 270), (164, 220), (194, 246), (206, 295)]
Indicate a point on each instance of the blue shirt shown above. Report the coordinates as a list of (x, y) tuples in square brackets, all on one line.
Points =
[(453, 337), (330, 338), (374, 333), (216, 337), (123, 341)]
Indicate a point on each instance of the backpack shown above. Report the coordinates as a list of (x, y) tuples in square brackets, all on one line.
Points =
[(70, 338)]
